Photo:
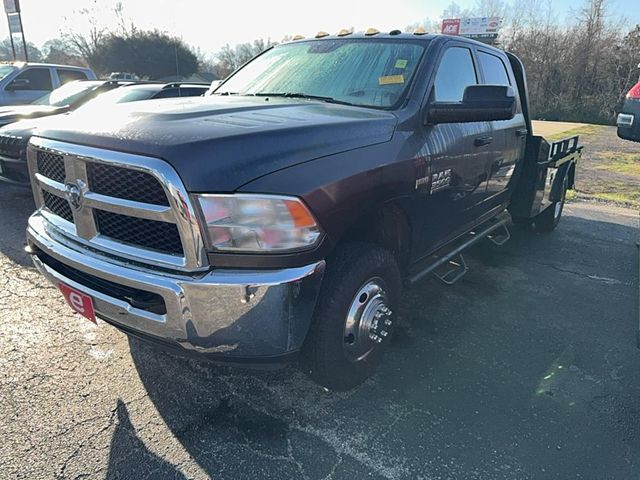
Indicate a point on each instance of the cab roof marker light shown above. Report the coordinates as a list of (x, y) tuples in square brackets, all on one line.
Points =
[(344, 32), (420, 31), (371, 31), (321, 34), (395, 32), (298, 37)]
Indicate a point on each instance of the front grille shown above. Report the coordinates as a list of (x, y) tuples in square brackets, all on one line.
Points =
[(125, 183), (160, 236), (51, 165), (58, 205), (11, 146), (150, 227)]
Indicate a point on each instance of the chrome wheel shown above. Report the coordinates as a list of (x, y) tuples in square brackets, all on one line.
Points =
[(368, 321)]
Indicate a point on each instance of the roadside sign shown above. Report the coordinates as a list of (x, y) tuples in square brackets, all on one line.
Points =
[(480, 28), (451, 26), (12, 6), (15, 25)]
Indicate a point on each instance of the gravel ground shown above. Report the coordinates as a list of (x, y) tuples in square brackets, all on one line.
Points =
[(527, 368)]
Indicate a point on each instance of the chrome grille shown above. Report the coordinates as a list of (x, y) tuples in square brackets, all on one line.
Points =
[(58, 206), (161, 236), (126, 183), (51, 165), (126, 205)]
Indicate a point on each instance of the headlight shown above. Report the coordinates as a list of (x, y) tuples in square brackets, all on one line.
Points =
[(257, 223)]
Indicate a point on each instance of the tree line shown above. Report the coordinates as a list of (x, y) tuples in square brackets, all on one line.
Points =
[(578, 70)]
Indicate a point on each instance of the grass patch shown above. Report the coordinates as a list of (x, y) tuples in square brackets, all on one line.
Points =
[(621, 197), (584, 131), (620, 162)]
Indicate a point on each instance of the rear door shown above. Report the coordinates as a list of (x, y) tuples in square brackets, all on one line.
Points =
[(509, 136), (69, 75), (456, 153)]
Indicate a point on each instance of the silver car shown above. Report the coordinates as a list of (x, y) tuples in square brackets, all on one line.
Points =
[(22, 83)]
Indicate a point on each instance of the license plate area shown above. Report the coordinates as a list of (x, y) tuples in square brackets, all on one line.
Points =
[(79, 302)]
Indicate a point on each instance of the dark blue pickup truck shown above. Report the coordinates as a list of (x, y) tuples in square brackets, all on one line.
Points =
[(279, 217)]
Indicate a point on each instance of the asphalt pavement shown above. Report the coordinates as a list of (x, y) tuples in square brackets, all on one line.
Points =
[(527, 368)]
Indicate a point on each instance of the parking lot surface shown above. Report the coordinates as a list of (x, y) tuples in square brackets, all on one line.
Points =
[(527, 368)]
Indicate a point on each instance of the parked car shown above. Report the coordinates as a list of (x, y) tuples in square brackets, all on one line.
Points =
[(61, 100), (629, 117), (280, 216), (123, 76), (94, 95), (22, 83)]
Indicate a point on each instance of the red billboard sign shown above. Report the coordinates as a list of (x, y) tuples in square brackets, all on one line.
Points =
[(451, 26)]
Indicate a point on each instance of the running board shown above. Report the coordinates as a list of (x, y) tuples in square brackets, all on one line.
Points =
[(454, 271), (449, 265)]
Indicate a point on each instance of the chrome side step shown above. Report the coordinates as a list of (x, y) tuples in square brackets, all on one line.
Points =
[(454, 271), (448, 264)]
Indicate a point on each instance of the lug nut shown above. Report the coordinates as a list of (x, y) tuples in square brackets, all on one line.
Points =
[(388, 322), (384, 333), (375, 337)]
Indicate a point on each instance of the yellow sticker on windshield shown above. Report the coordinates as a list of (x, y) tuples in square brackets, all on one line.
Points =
[(391, 79), (401, 63)]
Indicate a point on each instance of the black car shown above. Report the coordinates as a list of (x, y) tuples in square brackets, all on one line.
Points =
[(629, 118), (14, 137)]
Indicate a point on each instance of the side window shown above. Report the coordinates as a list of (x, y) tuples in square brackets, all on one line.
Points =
[(38, 79), (455, 73), (67, 76), (494, 70)]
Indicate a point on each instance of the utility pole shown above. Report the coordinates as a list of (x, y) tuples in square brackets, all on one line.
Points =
[(12, 9)]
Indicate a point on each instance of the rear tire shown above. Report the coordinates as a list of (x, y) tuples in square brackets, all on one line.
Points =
[(548, 220), (354, 316)]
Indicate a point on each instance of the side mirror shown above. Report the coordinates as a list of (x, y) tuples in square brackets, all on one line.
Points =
[(480, 103), (18, 84)]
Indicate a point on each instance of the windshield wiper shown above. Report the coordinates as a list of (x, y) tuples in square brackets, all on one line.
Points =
[(302, 95)]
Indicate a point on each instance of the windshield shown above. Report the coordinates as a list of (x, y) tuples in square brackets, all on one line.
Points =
[(67, 94), (6, 70), (359, 72)]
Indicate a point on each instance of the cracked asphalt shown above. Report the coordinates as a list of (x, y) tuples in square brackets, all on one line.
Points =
[(527, 368)]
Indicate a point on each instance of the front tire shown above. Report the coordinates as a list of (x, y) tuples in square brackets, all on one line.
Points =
[(354, 316)]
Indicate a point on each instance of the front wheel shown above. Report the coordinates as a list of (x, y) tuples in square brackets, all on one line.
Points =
[(548, 220), (354, 317)]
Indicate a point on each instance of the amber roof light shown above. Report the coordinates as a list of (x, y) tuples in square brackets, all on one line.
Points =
[(372, 31), (321, 34)]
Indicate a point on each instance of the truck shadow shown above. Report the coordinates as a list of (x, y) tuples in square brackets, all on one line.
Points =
[(16, 205), (282, 424)]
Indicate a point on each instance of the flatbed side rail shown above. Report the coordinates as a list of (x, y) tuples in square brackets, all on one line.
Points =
[(564, 150)]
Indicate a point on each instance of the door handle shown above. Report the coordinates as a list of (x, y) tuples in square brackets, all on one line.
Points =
[(481, 141), (521, 132)]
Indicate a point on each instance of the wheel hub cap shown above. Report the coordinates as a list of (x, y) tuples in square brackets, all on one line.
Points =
[(368, 321)]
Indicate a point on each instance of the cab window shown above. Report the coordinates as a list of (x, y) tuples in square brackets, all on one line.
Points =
[(38, 79), (494, 70), (67, 76), (455, 73)]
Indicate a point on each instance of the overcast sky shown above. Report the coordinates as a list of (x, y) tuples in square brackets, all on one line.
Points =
[(209, 24)]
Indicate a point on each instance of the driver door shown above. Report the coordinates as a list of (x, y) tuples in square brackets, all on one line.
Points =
[(456, 154), (29, 85)]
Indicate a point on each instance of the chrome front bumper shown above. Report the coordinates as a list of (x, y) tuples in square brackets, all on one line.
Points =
[(227, 314)]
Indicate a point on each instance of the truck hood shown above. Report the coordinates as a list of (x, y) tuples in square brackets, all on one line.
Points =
[(15, 113), (217, 144)]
